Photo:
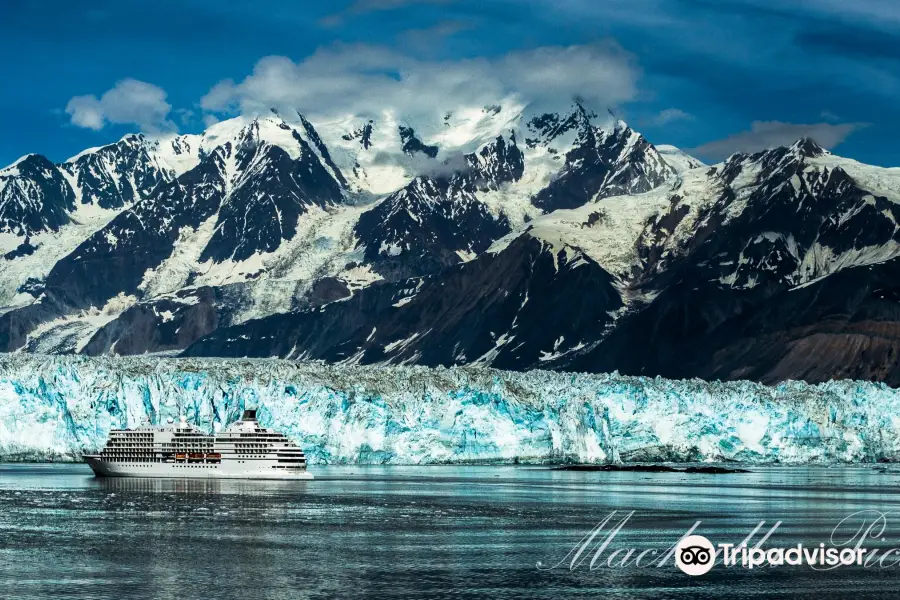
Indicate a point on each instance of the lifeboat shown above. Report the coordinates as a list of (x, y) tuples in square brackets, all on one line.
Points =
[(180, 456), (214, 457), (196, 457)]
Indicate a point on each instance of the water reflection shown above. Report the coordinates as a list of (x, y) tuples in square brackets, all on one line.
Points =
[(196, 486)]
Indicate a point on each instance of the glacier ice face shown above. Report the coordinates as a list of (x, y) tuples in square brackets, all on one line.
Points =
[(58, 407)]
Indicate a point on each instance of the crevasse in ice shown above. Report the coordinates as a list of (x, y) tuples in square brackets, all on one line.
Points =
[(58, 407)]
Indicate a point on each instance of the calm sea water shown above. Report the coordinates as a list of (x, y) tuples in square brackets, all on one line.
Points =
[(418, 532)]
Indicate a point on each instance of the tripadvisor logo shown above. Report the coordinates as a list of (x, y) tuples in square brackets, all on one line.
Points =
[(695, 555)]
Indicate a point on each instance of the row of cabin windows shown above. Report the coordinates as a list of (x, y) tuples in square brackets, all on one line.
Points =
[(162, 445)]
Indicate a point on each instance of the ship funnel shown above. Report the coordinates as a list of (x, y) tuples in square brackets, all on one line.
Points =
[(249, 415)]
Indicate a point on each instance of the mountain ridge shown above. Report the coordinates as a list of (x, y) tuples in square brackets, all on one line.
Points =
[(551, 241)]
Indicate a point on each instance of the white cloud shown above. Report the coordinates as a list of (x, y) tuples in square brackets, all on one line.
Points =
[(770, 134), (86, 111), (365, 80), (129, 102)]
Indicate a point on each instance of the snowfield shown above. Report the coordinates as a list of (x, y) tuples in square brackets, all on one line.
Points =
[(58, 407)]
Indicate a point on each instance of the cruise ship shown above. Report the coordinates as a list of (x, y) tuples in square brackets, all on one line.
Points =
[(244, 450)]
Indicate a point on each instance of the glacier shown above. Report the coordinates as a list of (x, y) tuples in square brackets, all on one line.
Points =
[(58, 407)]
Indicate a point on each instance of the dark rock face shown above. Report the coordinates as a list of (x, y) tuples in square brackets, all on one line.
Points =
[(254, 212), (427, 225), (322, 149), (15, 325), (114, 259), (261, 211), (667, 329), (484, 309), (423, 228), (411, 144), (495, 164), (327, 289), (34, 197), (119, 174), (363, 134), (728, 305), (24, 249), (33, 286), (175, 321), (366, 138), (844, 326), (792, 209), (167, 323), (600, 164)]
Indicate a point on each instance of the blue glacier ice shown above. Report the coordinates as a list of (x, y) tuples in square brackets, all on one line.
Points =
[(58, 407)]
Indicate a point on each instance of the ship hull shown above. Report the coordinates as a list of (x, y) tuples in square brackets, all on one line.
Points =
[(227, 469)]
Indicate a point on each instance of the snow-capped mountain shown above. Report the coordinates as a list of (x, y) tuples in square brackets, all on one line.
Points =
[(483, 311), (132, 169), (678, 159), (490, 235), (599, 163), (34, 197), (438, 220)]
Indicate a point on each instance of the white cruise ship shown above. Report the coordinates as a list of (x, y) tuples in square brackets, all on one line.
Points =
[(243, 451)]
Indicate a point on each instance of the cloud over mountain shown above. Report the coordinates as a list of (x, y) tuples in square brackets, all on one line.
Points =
[(353, 79)]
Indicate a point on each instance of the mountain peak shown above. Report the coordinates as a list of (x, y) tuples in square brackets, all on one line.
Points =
[(798, 151), (620, 125), (678, 159), (583, 112), (808, 147), (29, 165), (22, 162)]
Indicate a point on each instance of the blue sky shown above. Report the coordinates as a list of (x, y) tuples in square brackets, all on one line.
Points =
[(712, 76)]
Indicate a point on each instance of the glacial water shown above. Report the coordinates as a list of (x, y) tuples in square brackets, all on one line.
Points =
[(423, 532)]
